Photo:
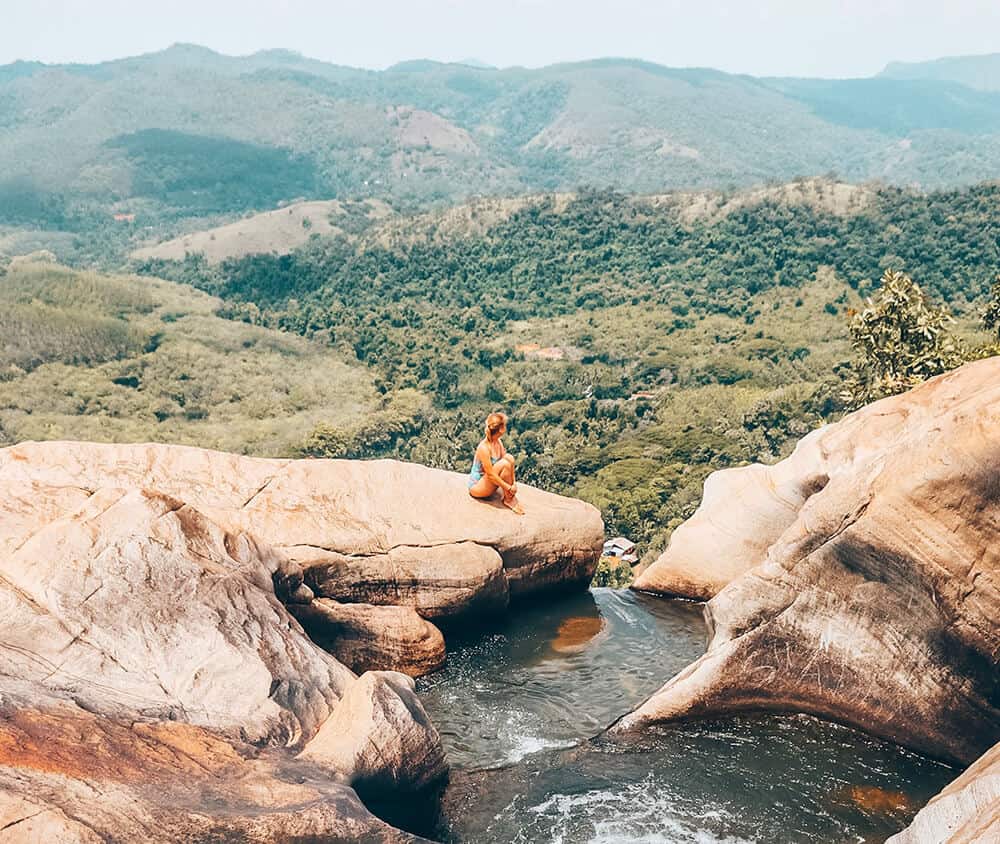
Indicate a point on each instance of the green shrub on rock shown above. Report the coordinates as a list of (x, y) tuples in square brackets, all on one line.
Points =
[(901, 339)]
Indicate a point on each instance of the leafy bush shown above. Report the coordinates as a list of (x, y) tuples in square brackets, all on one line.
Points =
[(900, 339), (613, 572)]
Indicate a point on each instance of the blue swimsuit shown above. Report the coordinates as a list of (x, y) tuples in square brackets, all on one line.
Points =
[(476, 475)]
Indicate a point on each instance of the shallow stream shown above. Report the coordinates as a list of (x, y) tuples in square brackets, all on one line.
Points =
[(521, 708)]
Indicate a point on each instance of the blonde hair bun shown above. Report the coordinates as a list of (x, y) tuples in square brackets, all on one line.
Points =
[(495, 423)]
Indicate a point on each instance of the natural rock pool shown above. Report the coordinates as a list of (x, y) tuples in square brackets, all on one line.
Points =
[(521, 708)]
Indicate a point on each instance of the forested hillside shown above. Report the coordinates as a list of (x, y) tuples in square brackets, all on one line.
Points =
[(122, 359), (173, 141), (636, 342)]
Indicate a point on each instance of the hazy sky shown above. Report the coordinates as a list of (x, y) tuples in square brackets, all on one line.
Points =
[(762, 37)]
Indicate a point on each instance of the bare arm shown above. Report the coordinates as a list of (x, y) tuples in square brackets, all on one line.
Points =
[(485, 460)]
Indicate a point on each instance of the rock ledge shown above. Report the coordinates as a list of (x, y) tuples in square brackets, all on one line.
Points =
[(148, 605), (871, 585)]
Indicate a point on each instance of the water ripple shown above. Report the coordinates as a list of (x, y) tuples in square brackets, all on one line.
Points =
[(519, 707)]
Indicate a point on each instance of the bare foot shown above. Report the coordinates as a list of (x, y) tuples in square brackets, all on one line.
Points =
[(513, 504)]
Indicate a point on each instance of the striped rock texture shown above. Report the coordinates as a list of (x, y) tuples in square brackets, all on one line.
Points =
[(154, 681), (858, 580)]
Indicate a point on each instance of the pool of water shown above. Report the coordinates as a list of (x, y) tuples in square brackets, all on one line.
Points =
[(522, 708)]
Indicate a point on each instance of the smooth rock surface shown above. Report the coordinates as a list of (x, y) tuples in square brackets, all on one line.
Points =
[(966, 812), (381, 736), (744, 511), (438, 582), (134, 599), (153, 687), (154, 684), (367, 638), (67, 775), (413, 533), (878, 605)]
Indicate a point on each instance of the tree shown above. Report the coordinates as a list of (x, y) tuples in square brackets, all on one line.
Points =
[(901, 339), (991, 316), (446, 386)]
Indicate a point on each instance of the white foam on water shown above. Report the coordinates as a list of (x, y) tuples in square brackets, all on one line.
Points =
[(636, 813), (523, 746), (521, 735)]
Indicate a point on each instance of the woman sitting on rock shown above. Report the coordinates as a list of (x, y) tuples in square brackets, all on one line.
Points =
[(493, 467)]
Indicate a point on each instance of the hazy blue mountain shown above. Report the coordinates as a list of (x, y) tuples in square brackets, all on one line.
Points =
[(476, 63), (981, 72), (187, 132), (898, 106)]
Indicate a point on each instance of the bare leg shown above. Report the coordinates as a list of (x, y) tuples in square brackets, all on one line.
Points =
[(505, 469), (483, 488)]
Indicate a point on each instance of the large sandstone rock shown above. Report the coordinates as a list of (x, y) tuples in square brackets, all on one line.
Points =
[(382, 736), (153, 687), (376, 532), (367, 638), (131, 598), (437, 581), (74, 777), (966, 812), (876, 598), (744, 511)]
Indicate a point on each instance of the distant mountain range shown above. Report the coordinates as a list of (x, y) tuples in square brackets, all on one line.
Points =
[(979, 72), (189, 133)]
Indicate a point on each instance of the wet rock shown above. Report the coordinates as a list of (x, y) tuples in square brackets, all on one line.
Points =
[(966, 812), (577, 633), (873, 800), (367, 638), (878, 604)]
